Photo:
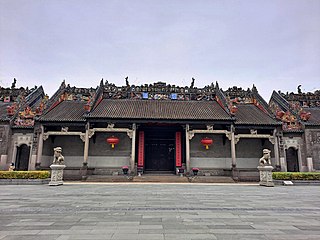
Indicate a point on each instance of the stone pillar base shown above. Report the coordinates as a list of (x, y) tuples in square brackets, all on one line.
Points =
[(235, 174), (38, 167), (84, 171), (310, 164), (3, 162), (266, 176), (56, 175), (283, 164)]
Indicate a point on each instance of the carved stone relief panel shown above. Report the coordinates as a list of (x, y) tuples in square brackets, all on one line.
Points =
[(23, 139), (316, 158), (291, 142), (314, 138), (313, 146)]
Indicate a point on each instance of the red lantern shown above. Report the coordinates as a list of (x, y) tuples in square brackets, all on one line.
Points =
[(206, 142), (112, 140)]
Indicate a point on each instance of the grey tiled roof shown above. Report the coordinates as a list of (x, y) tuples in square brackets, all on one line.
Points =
[(3, 111), (154, 109), (249, 114), (66, 111), (315, 116)]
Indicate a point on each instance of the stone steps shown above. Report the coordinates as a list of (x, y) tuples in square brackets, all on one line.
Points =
[(163, 178), (108, 178), (160, 178)]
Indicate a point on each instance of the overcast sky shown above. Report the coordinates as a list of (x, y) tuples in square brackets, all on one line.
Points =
[(274, 44)]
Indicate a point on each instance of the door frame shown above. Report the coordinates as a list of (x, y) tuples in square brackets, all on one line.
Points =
[(18, 157), (145, 130), (296, 160)]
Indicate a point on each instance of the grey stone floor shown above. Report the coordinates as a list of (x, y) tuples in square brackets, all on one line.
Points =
[(159, 211)]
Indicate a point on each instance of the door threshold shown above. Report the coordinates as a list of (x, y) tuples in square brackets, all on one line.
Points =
[(159, 172)]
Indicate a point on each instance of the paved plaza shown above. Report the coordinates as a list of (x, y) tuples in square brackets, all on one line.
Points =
[(159, 211)]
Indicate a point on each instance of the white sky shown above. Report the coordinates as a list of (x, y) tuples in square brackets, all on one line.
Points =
[(274, 44)]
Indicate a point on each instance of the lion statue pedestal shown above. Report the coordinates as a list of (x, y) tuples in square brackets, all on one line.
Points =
[(57, 168), (56, 175), (265, 169)]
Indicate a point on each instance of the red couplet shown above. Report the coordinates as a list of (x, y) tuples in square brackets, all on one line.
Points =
[(178, 149), (141, 149)]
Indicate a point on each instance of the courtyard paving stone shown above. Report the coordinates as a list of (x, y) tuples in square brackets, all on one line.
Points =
[(159, 211)]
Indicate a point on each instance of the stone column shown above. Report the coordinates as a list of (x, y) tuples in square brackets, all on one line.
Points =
[(14, 154), (133, 148), (40, 149), (276, 151), (233, 148), (187, 148), (235, 173), (84, 168), (283, 164), (86, 146), (301, 168), (283, 161)]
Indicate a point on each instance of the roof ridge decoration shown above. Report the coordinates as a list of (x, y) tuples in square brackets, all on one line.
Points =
[(280, 100), (260, 103), (25, 117), (11, 110), (23, 104), (15, 96), (237, 95), (66, 92), (221, 99), (96, 98), (309, 99), (289, 112), (159, 91), (34, 93), (33, 106), (55, 99)]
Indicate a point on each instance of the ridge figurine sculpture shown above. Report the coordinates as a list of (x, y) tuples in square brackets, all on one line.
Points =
[(57, 168), (265, 169)]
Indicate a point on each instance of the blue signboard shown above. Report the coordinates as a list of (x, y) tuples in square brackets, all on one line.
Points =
[(144, 95), (173, 96)]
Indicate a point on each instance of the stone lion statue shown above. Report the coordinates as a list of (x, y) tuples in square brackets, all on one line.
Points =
[(57, 156), (266, 159)]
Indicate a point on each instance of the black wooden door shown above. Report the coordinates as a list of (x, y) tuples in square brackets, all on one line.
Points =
[(159, 155), (22, 160), (292, 160)]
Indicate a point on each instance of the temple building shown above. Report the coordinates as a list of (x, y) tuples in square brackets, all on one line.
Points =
[(157, 128), (18, 139), (300, 135)]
